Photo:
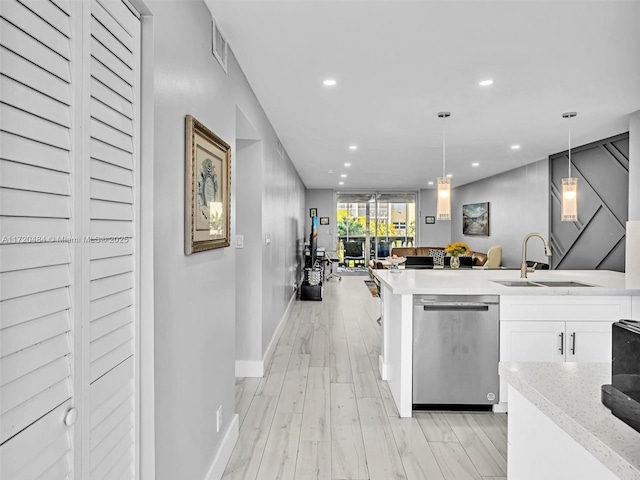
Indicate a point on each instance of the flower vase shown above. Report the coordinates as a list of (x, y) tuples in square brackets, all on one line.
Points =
[(455, 261)]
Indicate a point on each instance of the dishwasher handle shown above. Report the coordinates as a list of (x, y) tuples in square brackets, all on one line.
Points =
[(457, 306)]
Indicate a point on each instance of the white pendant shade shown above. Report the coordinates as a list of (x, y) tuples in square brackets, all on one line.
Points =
[(570, 199), (443, 204)]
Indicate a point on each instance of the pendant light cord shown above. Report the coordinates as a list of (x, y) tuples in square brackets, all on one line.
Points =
[(569, 147), (444, 147)]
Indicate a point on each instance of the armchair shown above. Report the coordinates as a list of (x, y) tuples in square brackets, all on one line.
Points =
[(353, 252)]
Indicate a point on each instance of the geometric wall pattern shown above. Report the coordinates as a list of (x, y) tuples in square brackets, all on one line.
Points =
[(597, 240)]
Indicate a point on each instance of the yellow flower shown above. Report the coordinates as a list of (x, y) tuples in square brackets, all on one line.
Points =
[(458, 248)]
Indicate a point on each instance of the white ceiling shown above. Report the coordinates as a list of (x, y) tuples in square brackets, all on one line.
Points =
[(398, 63)]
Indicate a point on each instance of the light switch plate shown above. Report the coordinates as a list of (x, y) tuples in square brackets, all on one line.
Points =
[(267, 239), (239, 241)]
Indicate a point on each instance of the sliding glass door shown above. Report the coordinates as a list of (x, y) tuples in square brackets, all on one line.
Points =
[(370, 224)]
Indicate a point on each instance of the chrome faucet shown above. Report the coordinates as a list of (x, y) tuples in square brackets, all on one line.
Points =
[(523, 265)]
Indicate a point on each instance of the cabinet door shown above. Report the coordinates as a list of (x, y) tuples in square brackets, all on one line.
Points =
[(530, 341), (588, 342)]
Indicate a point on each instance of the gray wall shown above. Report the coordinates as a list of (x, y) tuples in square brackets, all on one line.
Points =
[(434, 234), (324, 201), (634, 166), (194, 295), (518, 204)]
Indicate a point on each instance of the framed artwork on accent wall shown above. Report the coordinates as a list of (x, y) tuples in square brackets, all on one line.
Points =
[(324, 220), (475, 219), (207, 189)]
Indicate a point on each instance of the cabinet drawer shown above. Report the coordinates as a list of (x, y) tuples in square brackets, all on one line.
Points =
[(564, 308)]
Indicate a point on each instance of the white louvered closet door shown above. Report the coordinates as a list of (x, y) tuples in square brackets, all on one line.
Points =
[(114, 83), (69, 114)]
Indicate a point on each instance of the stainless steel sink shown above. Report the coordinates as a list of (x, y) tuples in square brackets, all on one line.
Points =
[(515, 283), (560, 283), (531, 283)]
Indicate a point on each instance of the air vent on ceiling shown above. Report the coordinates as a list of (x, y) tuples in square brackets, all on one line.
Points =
[(280, 149), (220, 46)]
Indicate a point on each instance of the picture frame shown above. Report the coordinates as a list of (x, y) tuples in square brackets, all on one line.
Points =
[(429, 220), (324, 220), (475, 219), (313, 212), (207, 189)]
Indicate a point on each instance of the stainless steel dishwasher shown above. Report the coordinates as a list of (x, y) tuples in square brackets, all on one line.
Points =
[(455, 351)]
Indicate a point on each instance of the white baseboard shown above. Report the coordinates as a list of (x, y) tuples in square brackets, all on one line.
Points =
[(256, 368), (382, 367), (224, 452)]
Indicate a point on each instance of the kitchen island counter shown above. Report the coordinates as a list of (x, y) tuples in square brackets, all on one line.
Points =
[(567, 394)]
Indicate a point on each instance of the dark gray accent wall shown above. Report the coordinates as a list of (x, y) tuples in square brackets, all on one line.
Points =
[(597, 239)]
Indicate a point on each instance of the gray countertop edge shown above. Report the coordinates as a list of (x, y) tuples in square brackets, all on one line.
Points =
[(599, 448)]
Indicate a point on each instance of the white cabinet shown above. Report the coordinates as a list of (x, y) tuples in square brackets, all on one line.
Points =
[(571, 328), (555, 341)]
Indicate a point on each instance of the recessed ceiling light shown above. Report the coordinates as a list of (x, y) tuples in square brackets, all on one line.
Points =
[(344, 175), (475, 164), (449, 175), (515, 147), (429, 183), (340, 183), (347, 164), (485, 83), (353, 147), (329, 82), (330, 171)]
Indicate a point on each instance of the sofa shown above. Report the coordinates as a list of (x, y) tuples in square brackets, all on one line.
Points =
[(491, 259)]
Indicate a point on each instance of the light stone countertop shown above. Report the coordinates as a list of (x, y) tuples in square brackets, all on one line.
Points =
[(569, 394), (482, 282)]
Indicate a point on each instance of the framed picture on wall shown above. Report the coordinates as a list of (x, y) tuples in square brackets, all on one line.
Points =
[(475, 219), (207, 189), (324, 220)]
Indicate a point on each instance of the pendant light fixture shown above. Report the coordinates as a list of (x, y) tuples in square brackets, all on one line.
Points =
[(569, 185), (443, 205)]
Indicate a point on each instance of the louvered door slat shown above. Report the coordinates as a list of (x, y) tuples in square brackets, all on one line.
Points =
[(122, 15), (33, 357), (111, 117), (121, 446), (17, 228), (111, 43), (35, 280), (25, 177), (100, 450), (29, 74), (108, 267), (101, 210), (37, 128), (123, 469), (111, 136), (24, 98), (22, 203), (17, 419), (110, 342), (100, 251), (109, 154), (111, 173), (63, 5), (111, 285), (26, 46), (46, 460), (29, 333), (105, 228), (114, 28), (111, 304), (107, 58), (107, 96), (122, 413), (59, 470), (111, 80), (27, 447), (110, 191), (28, 21), (28, 152), (20, 391), (57, 17), (110, 323), (23, 309), (33, 255), (110, 391)]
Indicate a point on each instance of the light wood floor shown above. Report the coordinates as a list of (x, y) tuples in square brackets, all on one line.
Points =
[(322, 411)]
